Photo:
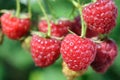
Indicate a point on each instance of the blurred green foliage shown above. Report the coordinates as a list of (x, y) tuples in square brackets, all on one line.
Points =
[(16, 63)]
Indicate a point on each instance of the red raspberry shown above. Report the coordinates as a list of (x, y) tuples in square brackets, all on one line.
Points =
[(14, 27), (44, 51), (76, 28), (100, 16), (106, 53), (78, 53), (57, 29)]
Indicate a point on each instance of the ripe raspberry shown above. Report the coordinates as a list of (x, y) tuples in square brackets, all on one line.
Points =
[(14, 27), (76, 28), (78, 53), (106, 53), (57, 29), (44, 51), (100, 16)]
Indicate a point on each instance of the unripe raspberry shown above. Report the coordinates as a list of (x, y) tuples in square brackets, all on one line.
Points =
[(70, 74)]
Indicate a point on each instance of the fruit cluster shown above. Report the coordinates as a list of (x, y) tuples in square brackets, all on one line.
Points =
[(94, 49)]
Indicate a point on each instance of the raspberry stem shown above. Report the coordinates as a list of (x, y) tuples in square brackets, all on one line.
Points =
[(77, 5), (46, 16), (83, 32), (18, 8), (29, 8)]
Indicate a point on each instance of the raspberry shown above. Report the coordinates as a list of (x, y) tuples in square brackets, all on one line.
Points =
[(100, 16), (14, 27), (57, 29), (76, 28), (106, 53), (78, 53), (44, 51)]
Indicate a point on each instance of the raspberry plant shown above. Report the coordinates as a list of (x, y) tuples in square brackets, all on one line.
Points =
[(82, 39)]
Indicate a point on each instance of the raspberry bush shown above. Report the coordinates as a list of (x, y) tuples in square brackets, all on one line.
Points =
[(59, 39)]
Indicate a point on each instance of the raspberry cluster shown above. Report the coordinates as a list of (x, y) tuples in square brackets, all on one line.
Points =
[(78, 52)]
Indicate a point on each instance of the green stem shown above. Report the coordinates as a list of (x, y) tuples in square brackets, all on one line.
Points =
[(46, 16), (77, 5), (85, 28), (18, 8), (83, 32), (29, 8)]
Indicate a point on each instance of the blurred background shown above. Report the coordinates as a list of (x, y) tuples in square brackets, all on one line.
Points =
[(16, 63)]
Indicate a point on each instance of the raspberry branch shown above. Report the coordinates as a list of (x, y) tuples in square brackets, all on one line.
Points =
[(77, 5), (29, 9), (83, 32), (46, 16), (18, 8)]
